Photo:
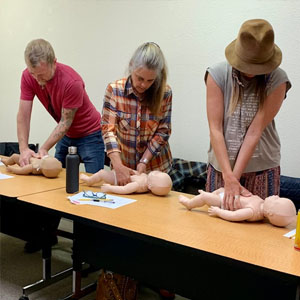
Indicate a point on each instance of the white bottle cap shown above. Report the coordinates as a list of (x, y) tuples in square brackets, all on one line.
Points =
[(72, 150)]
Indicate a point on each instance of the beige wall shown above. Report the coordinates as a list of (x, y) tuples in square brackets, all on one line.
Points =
[(97, 38)]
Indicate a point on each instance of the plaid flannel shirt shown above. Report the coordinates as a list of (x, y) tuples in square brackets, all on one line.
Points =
[(130, 128), (184, 169)]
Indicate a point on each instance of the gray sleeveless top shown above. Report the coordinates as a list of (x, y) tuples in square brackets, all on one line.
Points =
[(267, 152)]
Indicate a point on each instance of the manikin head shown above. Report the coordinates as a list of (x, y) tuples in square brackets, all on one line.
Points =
[(159, 183), (50, 166), (279, 211)]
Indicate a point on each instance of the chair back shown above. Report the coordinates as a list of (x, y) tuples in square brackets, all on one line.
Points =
[(9, 148)]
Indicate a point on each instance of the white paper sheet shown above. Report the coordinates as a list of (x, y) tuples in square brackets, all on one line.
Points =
[(111, 201), (4, 176), (291, 234)]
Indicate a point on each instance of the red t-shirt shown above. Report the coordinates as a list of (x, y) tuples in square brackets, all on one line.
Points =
[(65, 90)]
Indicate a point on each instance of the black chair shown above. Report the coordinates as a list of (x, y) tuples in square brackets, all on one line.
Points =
[(290, 188), (9, 148)]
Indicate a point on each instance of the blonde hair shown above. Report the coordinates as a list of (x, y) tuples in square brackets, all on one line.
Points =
[(150, 56), (238, 92), (38, 51)]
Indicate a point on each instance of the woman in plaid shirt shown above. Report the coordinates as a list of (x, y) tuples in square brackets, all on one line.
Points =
[(136, 117)]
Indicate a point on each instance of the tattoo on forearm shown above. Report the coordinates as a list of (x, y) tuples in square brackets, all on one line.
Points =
[(67, 117)]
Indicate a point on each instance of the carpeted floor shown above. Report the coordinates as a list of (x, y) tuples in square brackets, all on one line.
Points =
[(18, 269)]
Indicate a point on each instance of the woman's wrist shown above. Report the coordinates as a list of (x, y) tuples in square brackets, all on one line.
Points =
[(141, 168), (228, 176), (144, 161), (115, 160)]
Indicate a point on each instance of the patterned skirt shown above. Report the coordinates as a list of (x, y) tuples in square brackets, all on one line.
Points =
[(263, 183)]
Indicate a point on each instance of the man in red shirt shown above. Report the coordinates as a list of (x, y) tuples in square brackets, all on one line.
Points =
[(61, 91)]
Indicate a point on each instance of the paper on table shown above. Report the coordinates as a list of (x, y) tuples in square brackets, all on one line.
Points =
[(291, 234), (114, 201), (4, 176), (1, 163)]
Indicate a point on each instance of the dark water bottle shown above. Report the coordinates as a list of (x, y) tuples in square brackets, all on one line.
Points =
[(72, 170)]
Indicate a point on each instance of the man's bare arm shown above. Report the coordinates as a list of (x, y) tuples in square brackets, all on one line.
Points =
[(23, 128), (67, 117)]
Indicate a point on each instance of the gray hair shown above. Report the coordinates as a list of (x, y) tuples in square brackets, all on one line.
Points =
[(148, 55), (38, 51)]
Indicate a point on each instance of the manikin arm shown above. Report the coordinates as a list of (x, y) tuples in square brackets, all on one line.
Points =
[(20, 170), (102, 175), (236, 216), (14, 159), (129, 188)]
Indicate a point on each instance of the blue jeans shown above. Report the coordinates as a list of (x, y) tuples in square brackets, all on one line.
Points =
[(290, 188), (90, 148)]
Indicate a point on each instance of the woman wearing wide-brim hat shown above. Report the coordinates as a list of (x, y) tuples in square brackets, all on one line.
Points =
[(244, 94)]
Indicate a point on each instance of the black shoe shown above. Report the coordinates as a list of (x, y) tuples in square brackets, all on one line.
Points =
[(34, 246)]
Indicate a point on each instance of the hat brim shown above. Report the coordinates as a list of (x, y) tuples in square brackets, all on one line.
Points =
[(251, 68)]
